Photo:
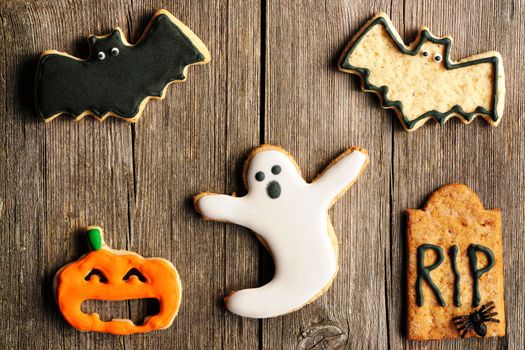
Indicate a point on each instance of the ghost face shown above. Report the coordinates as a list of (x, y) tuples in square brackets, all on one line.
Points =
[(107, 48), (272, 174)]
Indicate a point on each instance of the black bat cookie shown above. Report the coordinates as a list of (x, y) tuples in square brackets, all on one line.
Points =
[(118, 78)]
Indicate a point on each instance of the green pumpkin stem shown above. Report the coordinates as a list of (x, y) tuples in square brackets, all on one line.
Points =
[(94, 238)]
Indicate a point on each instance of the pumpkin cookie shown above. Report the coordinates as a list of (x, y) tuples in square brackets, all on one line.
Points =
[(108, 274)]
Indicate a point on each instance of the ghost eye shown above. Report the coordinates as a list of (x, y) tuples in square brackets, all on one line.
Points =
[(276, 169), (101, 55), (115, 51), (259, 176), (425, 53), (134, 272), (437, 58)]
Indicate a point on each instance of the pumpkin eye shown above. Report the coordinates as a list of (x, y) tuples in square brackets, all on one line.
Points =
[(134, 272), (96, 272)]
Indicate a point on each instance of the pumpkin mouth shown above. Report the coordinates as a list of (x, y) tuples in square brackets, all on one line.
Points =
[(135, 310)]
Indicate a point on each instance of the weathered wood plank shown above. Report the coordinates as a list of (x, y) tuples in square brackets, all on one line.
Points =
[(490, 160), (316, 112), (192, 144), (22, 203), (63, 176), (135, 181)]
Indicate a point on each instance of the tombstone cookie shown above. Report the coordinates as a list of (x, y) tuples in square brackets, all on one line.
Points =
[(455, 267), (290, 217), (118, 79), (420, 81), (108, 274)]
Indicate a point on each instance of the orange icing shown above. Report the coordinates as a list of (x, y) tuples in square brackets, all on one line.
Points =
[(162, 283)]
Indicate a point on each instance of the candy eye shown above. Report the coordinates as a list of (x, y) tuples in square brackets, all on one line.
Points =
[(115, 51), (425, 53), (437, 58), (101, 55), (276, 169), (259, 176)]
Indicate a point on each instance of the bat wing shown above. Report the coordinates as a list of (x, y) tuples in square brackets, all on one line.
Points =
[(372, 53), (118, 85), (169, 47), (418, 87), (165, 51), (474, 87), (375, 54), (60, 85)]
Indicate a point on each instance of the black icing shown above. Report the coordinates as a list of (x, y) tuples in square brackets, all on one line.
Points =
[(413, 50), (259, 176), (476, 320), (276, 169), (118, 83), (273, 190)]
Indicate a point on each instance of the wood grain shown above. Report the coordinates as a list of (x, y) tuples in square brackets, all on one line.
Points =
[(272, 79), (487, 159), (136, 181), (316, 114)]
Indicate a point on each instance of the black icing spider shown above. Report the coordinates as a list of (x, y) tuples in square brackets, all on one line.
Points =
[(476, 320)]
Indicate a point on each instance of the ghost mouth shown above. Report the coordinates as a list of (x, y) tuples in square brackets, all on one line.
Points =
[(273, 190), (135, 310)]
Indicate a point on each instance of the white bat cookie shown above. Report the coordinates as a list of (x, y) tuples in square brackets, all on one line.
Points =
[(419, 81), (290, 217)]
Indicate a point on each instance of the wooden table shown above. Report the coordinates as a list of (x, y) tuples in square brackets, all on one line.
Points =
[(272, 79)]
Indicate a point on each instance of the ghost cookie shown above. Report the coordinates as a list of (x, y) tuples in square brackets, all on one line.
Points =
[(455, 267), (420, 81), (118, 79), (290, 217), (107, 274)]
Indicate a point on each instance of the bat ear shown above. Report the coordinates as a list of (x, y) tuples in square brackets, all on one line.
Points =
[(92, 40), (116, 35)]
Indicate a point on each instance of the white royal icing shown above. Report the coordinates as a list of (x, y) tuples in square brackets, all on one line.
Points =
[(294, 227)]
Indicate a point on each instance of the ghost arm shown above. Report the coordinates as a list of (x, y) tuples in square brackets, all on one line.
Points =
[(341, 173), (219, 207)]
